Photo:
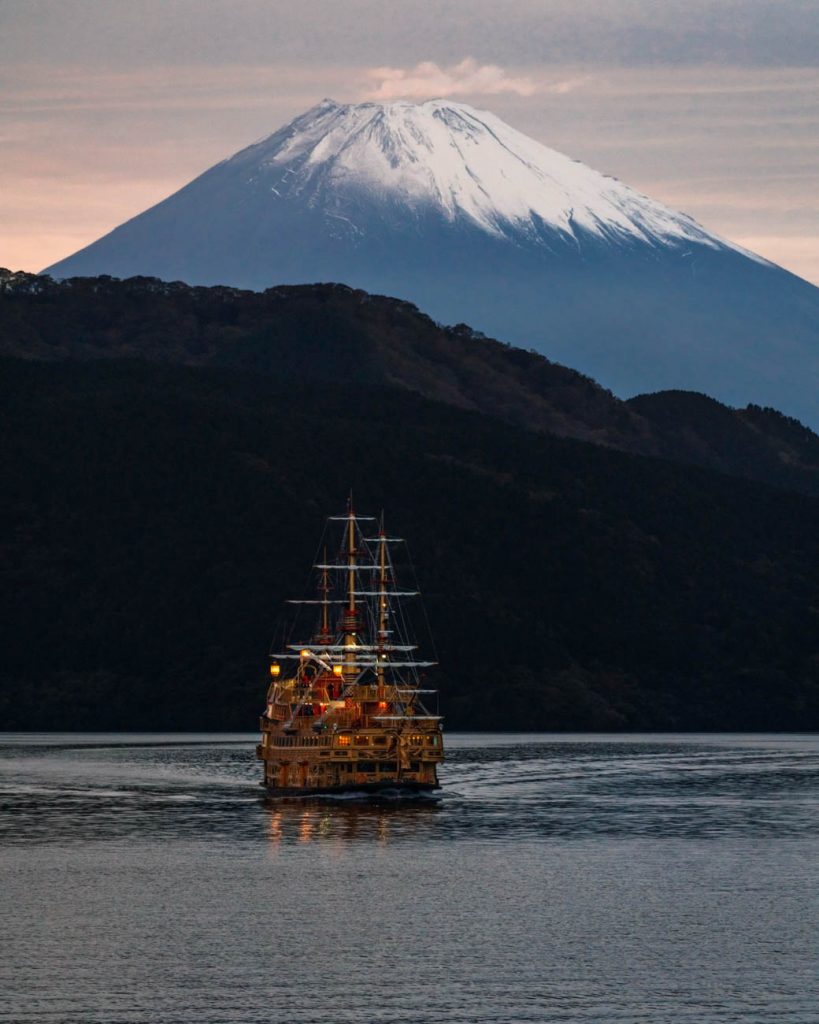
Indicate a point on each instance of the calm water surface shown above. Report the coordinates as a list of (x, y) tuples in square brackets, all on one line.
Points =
[(568, 879)]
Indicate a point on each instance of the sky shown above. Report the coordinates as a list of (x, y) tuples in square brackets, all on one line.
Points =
[(711, 106)]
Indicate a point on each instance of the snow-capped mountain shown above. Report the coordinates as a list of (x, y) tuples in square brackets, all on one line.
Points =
[(448, 159), (455, 210)]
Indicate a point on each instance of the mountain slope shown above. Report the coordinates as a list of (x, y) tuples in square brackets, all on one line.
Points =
[(456, 211), (318, 336), (156, 516)]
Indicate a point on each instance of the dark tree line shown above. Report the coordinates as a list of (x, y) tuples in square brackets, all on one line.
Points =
[(155, 516)]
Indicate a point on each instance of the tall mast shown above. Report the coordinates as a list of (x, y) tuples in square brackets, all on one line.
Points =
[(351, 559), (324, 636), (383, 609), (325, 601), (350, 619)]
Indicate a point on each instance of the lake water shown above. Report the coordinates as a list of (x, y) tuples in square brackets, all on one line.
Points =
[(561, 878)]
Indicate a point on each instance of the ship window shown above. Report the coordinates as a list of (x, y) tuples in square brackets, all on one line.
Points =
[(362, 741), (344, 741), (379, 741), (366, 766), (432, 741)]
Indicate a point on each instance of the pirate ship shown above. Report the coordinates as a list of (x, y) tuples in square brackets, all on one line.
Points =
[(346, 709)]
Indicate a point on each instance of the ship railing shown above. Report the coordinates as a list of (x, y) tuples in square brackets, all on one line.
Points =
[(366, 692), (382, 720), (300, 741)]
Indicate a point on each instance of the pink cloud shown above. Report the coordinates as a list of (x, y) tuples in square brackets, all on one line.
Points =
[(427, 80)]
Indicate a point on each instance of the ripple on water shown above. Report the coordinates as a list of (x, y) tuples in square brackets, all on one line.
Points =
[(534, 789), (584, 880)]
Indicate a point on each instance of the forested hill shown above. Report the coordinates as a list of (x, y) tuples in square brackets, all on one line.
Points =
[(155, 517), (324, 334)]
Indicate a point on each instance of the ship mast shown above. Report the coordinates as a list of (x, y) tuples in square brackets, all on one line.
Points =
[(382, 634), (324, 636), (350, 617), (325, 602)]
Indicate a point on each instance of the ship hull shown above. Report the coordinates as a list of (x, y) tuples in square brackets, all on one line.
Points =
[(384, 788)]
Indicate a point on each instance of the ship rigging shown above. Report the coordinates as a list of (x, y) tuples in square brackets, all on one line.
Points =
[(346, 709)]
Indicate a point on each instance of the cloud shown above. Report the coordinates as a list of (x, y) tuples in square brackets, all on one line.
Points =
[(427, 80), (322, 33)]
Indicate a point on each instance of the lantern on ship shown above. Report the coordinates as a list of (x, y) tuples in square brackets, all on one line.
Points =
[(275, 669)]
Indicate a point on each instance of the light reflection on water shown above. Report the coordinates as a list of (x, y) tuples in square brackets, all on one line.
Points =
[(98, 788), (586, 878)]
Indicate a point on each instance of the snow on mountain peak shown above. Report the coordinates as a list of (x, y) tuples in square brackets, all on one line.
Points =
[(461, 162), (451, 209)]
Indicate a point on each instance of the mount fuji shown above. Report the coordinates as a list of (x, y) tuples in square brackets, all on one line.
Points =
[(473, 221)]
